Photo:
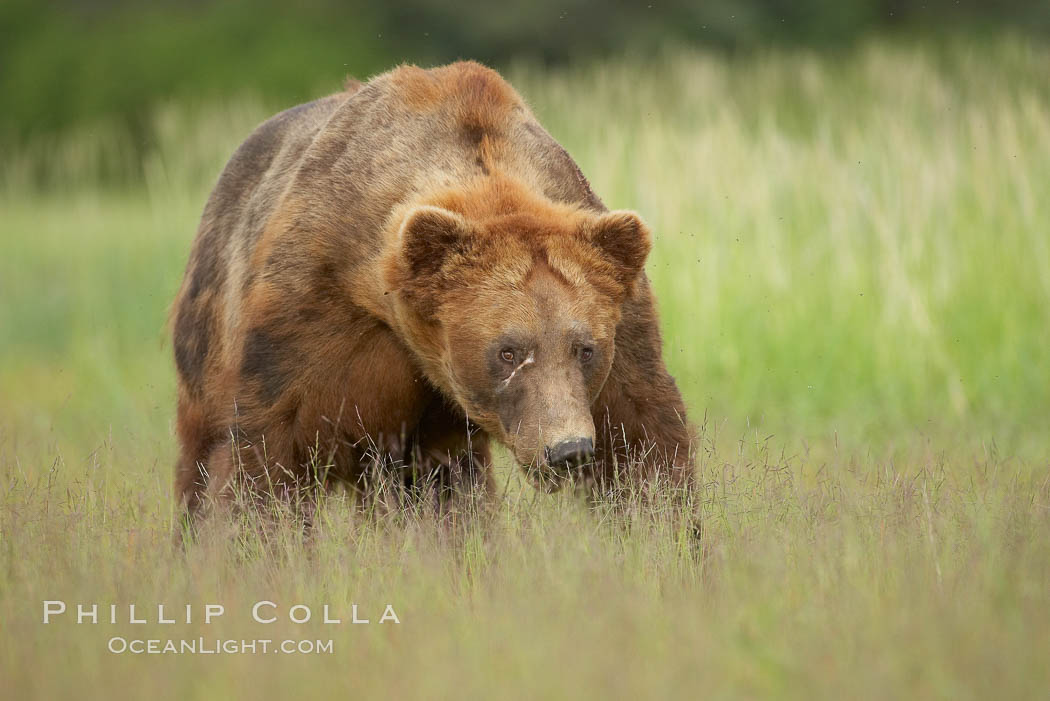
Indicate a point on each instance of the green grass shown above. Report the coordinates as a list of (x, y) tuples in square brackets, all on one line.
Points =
[(853, 267)]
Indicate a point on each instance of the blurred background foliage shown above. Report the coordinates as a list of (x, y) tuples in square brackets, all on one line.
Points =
[(64, 63)]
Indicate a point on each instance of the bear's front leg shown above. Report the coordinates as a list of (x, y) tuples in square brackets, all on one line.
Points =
[(643, 435), (451, 463)]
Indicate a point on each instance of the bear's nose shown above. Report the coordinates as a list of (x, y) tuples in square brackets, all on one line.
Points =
[(570, 453)]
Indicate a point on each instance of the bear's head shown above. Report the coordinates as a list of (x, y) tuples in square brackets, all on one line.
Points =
[(513, 314)]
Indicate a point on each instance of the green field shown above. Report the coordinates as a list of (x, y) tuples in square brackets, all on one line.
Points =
[(852, 260)]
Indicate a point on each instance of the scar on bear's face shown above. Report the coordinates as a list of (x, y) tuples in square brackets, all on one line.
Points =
[(531, 359)]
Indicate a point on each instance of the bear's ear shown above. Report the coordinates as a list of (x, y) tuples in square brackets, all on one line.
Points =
[(429, 237), (624, 239)]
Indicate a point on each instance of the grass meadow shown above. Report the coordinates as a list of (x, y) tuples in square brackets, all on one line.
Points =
[(852, 260)]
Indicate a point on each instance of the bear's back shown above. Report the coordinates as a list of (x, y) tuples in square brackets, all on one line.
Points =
[(341, 164), (411, 131)]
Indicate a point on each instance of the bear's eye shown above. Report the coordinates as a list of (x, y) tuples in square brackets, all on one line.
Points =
[(586, 353), (507, 355)]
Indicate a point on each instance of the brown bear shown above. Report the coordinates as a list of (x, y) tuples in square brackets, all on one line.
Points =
[(392, 276)]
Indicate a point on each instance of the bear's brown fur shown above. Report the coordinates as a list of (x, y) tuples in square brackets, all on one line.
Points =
[(406, 269)]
